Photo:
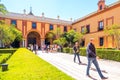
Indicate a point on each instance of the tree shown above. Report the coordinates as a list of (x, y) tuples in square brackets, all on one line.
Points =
[(3, 9), (72, 36), (57, 32), (114, 30), (8, 34), (16, 32), (61, 41)]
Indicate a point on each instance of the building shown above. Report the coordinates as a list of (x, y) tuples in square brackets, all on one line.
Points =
[(96, 22), (36, 28)]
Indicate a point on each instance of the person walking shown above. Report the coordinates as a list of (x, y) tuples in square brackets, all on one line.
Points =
[(76, 50), (31, 47), (34, 48), (91, 56)]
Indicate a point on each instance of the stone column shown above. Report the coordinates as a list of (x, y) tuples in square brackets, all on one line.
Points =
[(0, 43), (24, 44)]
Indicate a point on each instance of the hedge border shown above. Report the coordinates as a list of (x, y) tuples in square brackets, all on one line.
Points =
[(7, 50), (109, 54)]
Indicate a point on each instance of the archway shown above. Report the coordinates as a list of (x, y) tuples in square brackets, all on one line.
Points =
[(49, 37), (33, 38)]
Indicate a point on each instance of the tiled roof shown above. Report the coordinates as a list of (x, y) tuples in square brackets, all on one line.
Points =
[(109, 6), (35, 18)]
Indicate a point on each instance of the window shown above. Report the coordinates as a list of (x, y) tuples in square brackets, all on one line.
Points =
[(83, 43), (14, 22), (82, 29), (51, 27), (88, 28), (100, 25), (65, 28), (100, 7), (33, 25), (101, 41)]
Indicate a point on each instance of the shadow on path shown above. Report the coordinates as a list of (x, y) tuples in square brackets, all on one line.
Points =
[(93, 68)]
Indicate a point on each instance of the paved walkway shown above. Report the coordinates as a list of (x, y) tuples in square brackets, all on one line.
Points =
[(65, 63)]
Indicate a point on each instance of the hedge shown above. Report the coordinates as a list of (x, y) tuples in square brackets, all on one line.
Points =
[(4, 57), (25, 65), (108, 54), (7, 50)]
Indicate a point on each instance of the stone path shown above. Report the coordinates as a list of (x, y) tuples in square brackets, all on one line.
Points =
[(64, 62)]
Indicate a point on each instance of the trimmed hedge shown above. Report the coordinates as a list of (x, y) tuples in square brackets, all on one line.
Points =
[(4, 57), (7, 50), (102, 53)]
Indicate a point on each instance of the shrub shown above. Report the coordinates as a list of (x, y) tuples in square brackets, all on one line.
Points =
[(66, 50), (7, 50), (24, 65), (102, 53), (4, 57)]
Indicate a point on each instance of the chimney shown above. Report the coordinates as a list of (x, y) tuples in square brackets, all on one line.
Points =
[(42, 14), (58, 17), (24, 11), (70, 19)]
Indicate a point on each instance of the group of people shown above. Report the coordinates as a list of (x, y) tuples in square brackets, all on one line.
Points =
[(50, 48), (91, 57), (34, 47)]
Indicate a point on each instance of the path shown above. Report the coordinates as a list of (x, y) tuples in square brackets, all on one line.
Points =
[(65, 63)]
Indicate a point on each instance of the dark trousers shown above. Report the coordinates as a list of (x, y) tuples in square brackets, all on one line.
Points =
[(78, 55)]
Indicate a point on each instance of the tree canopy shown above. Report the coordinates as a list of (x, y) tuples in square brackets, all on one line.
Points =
[(114, 30), (8, 33), (3, 9), (69, 38)]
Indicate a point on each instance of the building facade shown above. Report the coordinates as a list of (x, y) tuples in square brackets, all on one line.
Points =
[(36, 28), (96, 22)]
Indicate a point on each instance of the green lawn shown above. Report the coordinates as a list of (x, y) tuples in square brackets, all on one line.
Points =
[(24, 65)]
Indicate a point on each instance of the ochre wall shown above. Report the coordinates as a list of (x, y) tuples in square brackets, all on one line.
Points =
[(25, 26), (109, 16)]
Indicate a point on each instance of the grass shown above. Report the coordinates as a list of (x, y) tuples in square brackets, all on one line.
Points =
[(24, 65), (4, 57)]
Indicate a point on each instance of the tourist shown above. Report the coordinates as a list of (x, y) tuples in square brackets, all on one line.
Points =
[(76, 51), (91, 56), (31, 47), (34, 48)]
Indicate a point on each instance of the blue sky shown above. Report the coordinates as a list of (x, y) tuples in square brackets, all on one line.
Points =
[(66, 9)]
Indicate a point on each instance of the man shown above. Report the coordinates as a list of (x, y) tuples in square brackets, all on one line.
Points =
[(91, 55), (76, 50)]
